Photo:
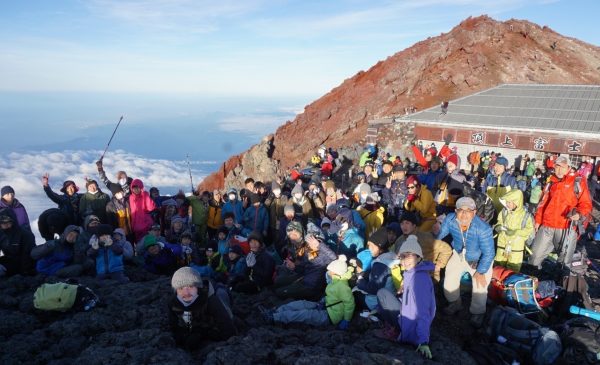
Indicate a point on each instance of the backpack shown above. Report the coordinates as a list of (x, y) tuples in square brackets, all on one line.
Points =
[(55, 297), (485, 205), (536, 194), (581, 339), (492, 354), (539, 344), (513, 289)]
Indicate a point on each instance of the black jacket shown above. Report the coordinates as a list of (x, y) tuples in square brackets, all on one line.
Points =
[(16, 244)]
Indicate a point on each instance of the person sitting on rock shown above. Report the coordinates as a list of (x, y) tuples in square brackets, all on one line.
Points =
[(196, 311), (159, 259), (215, 259), (108, 255), (119, 237), (202, 265), (336, 308), (235, 264), (420, 201), (55, 257), (260, 267), (306, 275), (16, 244), (372, 213), (140, 248)]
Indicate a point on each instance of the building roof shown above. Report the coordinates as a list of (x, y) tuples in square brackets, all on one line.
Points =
[(550, 108)]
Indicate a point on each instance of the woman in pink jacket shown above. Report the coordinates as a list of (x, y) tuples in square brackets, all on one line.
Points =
[(141, 205)]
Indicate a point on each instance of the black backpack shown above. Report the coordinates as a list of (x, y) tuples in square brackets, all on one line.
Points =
[(484, 204), (581, 341), (492, 354)]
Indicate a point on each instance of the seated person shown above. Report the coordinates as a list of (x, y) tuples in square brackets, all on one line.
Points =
[(196, 311), (337, 308), (261, 267), (16, 244), (55, 257), (108, 255), (235, 264), (158, 259)]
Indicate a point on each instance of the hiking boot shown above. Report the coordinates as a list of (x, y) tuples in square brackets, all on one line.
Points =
[(453, 308), (389, 333), (477, 320), (266, 314)]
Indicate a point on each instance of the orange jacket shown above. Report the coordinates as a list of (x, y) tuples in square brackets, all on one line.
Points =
[(559, 199)]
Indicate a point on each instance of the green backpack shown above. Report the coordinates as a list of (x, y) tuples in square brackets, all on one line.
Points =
[(55, 297)]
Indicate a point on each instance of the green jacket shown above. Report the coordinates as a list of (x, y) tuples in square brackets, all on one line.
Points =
[(199, 210), (339, 299), (510, 229), (94, 204)]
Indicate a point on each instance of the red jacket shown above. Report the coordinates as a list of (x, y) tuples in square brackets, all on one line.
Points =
[(559, 199)]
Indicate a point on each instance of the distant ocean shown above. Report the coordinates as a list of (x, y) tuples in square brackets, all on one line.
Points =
[(65, 133)]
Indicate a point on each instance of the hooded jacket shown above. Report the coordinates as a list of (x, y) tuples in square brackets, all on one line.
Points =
[(214, 219), (478, 239), (141, 205), (373, 216), (418, 304), (496, 186), (255, 219), (425, 206), (16, 244), (339, 300), (236, 207), (54, 254), (511, 233), (351, 242), (313, 269), (19, 211), (559, 199), (199, 210), (448, 186)]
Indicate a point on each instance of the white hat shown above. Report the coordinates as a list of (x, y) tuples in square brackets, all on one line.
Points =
[(339, 266), (411, 245), (466, 202), (186, 276)]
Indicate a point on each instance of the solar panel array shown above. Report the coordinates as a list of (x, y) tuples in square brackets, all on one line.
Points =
[(529, 106)]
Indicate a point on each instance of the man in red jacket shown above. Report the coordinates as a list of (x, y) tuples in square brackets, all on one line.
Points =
[(566, 199)]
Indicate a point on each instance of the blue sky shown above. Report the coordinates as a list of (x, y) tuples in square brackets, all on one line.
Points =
[(234, 47)]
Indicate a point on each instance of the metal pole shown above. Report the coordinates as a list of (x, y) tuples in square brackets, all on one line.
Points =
[(111, 138)]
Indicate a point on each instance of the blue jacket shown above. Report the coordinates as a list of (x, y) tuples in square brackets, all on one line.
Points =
[(379, 276), (234, 207), (359, 222), (418, 304), (255, 219), (429, 178), (352, 243), (479, 241), (59, 258), (506, 179), (108, 259), (206, 271), (365, 258)]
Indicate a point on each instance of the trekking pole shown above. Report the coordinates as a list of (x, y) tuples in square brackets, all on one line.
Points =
[(111, 138), (187, 157)]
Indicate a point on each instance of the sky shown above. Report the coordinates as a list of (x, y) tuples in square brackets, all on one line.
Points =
[(235, 48)]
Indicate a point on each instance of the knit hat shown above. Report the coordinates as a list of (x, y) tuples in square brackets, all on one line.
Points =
[(412, 180), (502, 161), (394, 227), (363, 188), (373, 198), (454, 159), (236, 249), (6, 216), (102, 229), (116, 188), (313, 230), (7, 190), (177, 219), (256, 236), (232, 191), (187, 234), (466, 202), (339, 266), (297, 190), (120, 231), (295, 226), (186, 276), (150, 241), (411, 245), (432, 151), (68, 183), (379, 238), (289, 208), (411, 217)]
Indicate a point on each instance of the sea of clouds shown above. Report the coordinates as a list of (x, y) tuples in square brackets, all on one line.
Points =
[(23, 171)]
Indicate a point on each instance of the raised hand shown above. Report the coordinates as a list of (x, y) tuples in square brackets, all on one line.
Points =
[(45, 179)]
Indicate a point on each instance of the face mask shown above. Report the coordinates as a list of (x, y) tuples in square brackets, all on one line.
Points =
[(298, 196), (363, 198), (277, 193), (123, 181), (232, 196)]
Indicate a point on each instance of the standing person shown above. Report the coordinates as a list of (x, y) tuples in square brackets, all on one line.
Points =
[(395, 192), (196, 311), (214, 221), (566, 200), (256, 217), (275, 203), (141, 206), (302, 206), (16, 244), (9, 201), (118, 212), (68, 202), (199, 205), (514, 227), (420, 201), (93, 202), (123, 180), (234, 206), (473, 252), (448, 185), (499, 182)]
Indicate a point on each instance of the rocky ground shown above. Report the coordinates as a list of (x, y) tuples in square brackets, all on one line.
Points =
[(130, 327)]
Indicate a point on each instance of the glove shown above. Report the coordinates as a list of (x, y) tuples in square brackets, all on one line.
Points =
[(424, 351), (99, 164), (2, 270), (94, 242), (411, 197), (187, 250), (161, 244), (343, 325), (251, 259), (108, 242)]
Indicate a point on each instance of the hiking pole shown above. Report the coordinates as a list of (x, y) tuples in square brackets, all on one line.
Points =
[(187, 157), (111, 138)]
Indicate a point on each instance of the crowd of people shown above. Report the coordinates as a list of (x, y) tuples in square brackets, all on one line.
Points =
[(402, 231)]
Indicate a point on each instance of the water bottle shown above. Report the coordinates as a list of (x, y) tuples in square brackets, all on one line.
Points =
[(89, 305)]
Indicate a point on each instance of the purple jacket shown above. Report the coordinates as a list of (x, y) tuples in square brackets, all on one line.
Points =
[(19, 210), (418, 304)]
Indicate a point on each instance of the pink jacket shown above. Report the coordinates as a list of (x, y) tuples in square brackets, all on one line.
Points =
[(141, 205)]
